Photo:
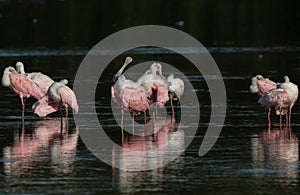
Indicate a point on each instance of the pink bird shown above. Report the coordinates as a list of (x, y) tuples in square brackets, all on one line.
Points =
[(58, 95), (176, 89), (42, 80), (21, 85), (155, 84), (129, 95), (282, 98), (261, 85)]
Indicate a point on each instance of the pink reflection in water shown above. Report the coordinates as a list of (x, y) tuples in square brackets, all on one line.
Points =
[(50, 145)]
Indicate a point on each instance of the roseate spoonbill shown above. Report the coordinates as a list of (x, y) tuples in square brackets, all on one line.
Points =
[(155, 84), (282, 98), (261, 85), (58, 95), (21, 85), (42, 80), (129, 95), (176, 89)]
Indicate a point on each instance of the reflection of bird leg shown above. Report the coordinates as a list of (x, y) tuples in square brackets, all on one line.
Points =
[(280, 120), (145, 117), (23, 123), (23, 116)]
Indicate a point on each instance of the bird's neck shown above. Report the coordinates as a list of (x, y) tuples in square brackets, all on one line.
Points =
[(53, 91), (5, 80)]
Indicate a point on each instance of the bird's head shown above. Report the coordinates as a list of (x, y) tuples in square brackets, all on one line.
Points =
[(10, 70), (128, 60), (259, 77), (286, 79), (5, 79), (64, 81), (20, 67), (170, 77), (156, 68)]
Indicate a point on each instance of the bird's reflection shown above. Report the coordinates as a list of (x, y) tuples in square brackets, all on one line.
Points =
[(48, 144), (135, 163), (276, 151)]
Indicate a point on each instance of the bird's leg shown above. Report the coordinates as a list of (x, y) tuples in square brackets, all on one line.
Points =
[(66, 106), (122, 121), (269, 118), (172, 106), (22, 103), (61, 125), (61, 121), (145, 119), (290, 115), (280, 120), (132, 121)]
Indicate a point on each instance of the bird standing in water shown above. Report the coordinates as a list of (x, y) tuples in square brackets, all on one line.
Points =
[(21, 85), (42, 80), (155, 84), (58, 95), (261, 85), (176, 90), (129, 95), (282, 99)]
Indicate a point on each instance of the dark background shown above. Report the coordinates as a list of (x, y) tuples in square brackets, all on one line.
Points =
[(245, 37), (64, 24)]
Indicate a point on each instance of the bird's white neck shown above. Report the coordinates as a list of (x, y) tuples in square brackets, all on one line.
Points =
[(20, 68), (53, 91), (5, 79)]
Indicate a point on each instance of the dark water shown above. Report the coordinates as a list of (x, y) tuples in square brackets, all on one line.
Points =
[(245, 38)]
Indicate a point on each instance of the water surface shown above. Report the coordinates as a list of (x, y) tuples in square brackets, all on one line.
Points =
[(48, 156)]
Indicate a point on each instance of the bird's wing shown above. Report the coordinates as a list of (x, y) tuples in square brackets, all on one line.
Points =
[(68, 97), (177, 87), (25, 85), (42, 80), (113, 94), (265, 85), (45, 106), (134, 99), (274, 98)]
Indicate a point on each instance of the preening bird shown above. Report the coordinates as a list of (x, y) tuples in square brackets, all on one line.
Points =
[(282, 99), (261, 85), (42, 80), (58, 95), (155, 84), (21, 85), (176, 89)]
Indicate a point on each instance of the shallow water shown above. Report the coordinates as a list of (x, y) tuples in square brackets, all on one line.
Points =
[(43, 156), (48, 155)]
